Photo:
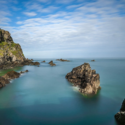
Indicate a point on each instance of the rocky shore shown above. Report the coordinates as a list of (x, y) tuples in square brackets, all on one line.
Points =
[(85, 78), (120, 116), (11, 54), (5, 79), (63, 60)]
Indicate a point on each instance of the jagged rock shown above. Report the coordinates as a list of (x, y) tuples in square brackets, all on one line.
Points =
[(87, 79), (11, 75), (93, 60), (63, 60), (3, 82), (120, 116), (52, 64)]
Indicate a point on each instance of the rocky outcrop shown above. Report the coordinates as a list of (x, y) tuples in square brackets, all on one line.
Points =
[(63, 60), (11, 75), (85, 78), (52, 64), (5, 79), (11, 54), (120, 116), (9, 51), (93, 60), (3, 82)]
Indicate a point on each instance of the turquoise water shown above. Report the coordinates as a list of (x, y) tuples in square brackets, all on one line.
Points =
[(44, 97)]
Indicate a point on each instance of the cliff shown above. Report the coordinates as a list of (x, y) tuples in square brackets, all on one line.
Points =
[(85, 78), (9, 51)]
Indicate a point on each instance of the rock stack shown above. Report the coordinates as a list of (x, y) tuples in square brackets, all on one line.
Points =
[(85, 78)]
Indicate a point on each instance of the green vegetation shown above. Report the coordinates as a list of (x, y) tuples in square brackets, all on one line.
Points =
[(13, 48)]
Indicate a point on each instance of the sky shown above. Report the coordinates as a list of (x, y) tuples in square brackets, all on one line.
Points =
[(66, 28)]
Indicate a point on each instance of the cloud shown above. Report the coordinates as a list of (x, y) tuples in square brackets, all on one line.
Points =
[(30, 13), (93, 28)]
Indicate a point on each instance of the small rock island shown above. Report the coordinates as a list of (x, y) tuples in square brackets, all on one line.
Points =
[(52, 64), (11, 54), (120, 116), (85, 78), (63, 60)]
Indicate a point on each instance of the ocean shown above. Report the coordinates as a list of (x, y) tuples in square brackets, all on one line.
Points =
[(43, 96)]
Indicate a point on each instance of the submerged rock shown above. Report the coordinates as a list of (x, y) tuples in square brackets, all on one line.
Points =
[(87, 79), (52, 64), (63, 60), (120, 116)]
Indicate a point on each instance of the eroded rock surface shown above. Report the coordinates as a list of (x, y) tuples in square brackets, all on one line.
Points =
[(85, 78), (120, 116)]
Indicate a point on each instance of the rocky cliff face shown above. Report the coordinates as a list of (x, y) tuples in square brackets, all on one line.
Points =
[(120, 116), (87, 79), (9, 51)]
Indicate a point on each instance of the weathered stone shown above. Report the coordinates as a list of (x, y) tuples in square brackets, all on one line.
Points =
[(87, 79)]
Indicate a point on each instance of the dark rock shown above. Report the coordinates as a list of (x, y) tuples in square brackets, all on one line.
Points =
[(11, 75), (52, 64), (93, 60), (3, 82), (87, 79), (63, 60), (120, 116)]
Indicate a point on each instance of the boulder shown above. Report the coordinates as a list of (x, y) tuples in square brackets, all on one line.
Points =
[(120, 116), (85, 78)]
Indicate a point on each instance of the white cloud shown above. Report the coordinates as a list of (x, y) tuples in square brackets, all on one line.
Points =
[(30, 13), (96, 28)]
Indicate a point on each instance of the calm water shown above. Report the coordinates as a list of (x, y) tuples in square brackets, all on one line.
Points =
[(44, 97)]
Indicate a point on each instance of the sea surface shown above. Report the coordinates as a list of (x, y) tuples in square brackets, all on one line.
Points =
[(44, 97)]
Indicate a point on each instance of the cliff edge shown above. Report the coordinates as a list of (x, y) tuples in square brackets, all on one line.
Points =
[(9, 51)]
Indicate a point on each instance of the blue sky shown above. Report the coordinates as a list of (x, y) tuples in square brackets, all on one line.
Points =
[(66, 28)]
